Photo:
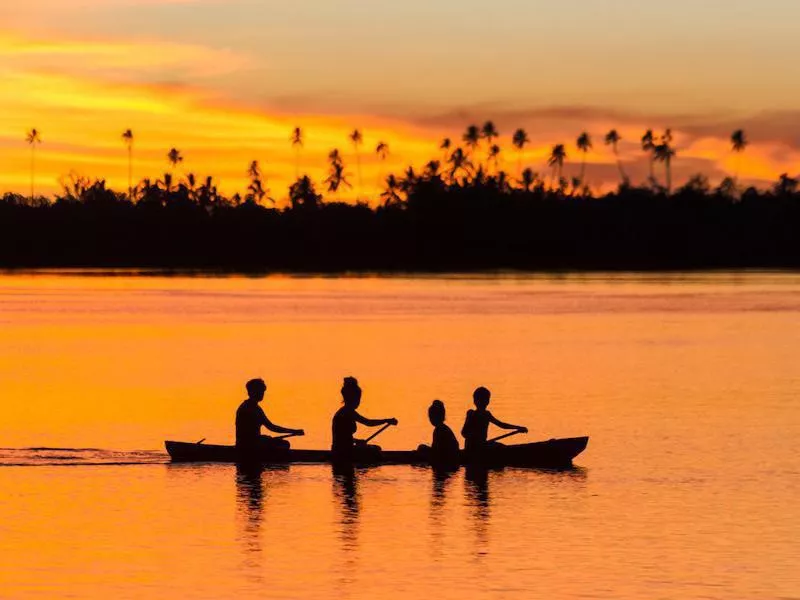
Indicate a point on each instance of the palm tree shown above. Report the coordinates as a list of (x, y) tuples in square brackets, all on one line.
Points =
[(489, 133), (127, 138), (739, 142), (649, 146), (382, 150), (432, 169), (256, 190), (584, 144), (302, 194), (664, 152), (357, 139), (472, 138), (34, 138), (336, 175), (174, 157), (459, 161), (556, 160), (445, 147), (390, 195), (520, 139), (613, 139), (528, 178), (297, 143), (494, 156)]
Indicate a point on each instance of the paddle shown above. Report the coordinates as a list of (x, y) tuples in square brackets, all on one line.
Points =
[(286, 435), (504, 436), (377, 433)]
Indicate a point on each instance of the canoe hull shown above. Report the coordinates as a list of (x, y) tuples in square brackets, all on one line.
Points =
[(550, 454)]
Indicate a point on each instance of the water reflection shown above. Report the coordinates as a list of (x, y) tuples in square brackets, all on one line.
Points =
[(251, 493), (476, 496), (250, 503), (440, 482), (345, 491), (345, 482)]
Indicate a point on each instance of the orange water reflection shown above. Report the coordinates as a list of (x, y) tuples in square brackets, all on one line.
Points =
[(688, 386)]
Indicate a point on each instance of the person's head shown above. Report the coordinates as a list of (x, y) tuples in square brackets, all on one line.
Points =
[(351, 392), (256, 388), (481, 397), (436, 413)]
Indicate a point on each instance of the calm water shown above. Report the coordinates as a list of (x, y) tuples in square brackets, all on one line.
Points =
[(688, 386)]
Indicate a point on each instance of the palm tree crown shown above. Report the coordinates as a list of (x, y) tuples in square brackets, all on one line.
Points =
[(382, 150), (613, 138), (459, 161), (127, 138), (174, 157), (557, 157), (664, 152), (472, 137), (357, 138), (739, 140), (34, 137), (648, 140), (297, 137), (520, 139), (584, 144), (489, 132)]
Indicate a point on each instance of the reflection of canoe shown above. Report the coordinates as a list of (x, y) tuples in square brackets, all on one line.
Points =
[(553, 453)]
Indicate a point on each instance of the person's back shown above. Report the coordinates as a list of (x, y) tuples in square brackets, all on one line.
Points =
[(444, 450), (343, 428), (476, 428), (249, 419), (444, 447)]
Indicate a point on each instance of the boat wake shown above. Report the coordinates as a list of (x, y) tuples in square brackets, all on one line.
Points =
[(65, 457)]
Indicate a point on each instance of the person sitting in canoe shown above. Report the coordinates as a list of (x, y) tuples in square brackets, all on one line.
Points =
[(250, 418), (476, 425), (444, 451), (344, 447)]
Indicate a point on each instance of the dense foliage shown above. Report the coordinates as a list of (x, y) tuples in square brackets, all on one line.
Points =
[(432, 220)]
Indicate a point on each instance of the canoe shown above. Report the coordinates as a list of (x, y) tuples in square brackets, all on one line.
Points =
[(550, 454)]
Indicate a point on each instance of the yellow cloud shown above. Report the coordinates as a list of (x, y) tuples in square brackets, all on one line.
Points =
[(82, 56)]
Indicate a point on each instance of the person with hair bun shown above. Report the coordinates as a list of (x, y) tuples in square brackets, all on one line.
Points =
[(444, 451), (345, 447)]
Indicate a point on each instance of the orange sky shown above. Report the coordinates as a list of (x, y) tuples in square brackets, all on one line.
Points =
[(70, 70)]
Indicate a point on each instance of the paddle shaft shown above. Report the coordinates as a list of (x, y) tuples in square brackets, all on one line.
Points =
[(377, 433), (286, 435), (504, 436)]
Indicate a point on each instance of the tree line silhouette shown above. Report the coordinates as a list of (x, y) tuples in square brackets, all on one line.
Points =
[(461, 211)]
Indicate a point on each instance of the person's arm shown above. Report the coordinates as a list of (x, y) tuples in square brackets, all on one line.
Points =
[(374, 422), (503, 425), (277, 428)]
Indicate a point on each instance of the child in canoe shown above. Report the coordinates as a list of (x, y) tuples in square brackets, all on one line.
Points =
[(476, 425), (444, 450)]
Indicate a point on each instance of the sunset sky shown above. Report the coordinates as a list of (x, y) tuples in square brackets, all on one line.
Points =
[(225, 81)]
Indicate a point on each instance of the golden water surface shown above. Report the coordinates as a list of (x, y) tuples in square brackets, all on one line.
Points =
[(687, 384)]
